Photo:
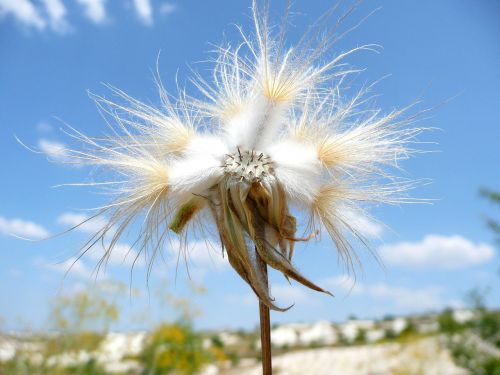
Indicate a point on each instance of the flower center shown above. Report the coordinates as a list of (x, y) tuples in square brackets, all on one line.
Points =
[(248, 165)]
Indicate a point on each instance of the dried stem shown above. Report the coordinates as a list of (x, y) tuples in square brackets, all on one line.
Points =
[(265, 327)]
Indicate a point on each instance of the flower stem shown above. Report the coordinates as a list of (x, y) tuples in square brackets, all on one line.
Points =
[(265, 328)]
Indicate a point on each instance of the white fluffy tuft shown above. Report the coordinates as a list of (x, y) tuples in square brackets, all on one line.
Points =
[(198, 168), (297, 169), (257, 125), (274, 128)]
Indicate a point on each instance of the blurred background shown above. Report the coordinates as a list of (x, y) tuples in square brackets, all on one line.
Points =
[(431, 308)]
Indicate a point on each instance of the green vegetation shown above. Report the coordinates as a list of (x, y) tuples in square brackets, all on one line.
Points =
[(81, 322), (23, 365), (360, 337), (448, 324), (494, 198), (176, 349), (80, 344), (476, 344)]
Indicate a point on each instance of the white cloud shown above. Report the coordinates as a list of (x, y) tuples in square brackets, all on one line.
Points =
[(72, 266), (56, 151), (43, 127), (201, 254), (72, 219), (366, 226), (379, 298), (22, 228), (53, 13), (56, 12), (74, 288), (144, 11), (288, 294), (247, 299), (23, 11), (121, 255), (435, 251), (198, 253), (167, 8), (284, 295), (196, 261), (15, 272), (94, 10), (345, 283), (408, 299)]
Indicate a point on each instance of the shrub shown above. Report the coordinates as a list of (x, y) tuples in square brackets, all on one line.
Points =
[(174, 349)]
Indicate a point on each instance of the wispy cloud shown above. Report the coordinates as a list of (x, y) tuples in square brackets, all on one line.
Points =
[(195, 262), (121, 255), (72, 219), (71, 266), (94, 10), (289, 294), (293, 293), (144, 10), (437, 252), (23, 11), (384, 297), (364, 225), (22, 228), (344, 283), (56, 151), (408, 299), (53, 14), (285, 295), (44, 127), (167, 8), (201, 254), (56, 12)]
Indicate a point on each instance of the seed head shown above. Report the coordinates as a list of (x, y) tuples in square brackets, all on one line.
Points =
[(275, 130)]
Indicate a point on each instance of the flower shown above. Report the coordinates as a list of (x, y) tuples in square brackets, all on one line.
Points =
[(274, 134)]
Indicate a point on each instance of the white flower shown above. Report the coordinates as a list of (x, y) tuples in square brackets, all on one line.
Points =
[(274, 131)]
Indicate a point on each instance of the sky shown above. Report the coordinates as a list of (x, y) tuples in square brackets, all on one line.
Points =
[(444, 54)]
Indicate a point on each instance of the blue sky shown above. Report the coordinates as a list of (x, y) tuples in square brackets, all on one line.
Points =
[(446, 53)]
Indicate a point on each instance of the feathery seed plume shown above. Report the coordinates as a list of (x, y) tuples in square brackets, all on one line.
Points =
[(274, 132)]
